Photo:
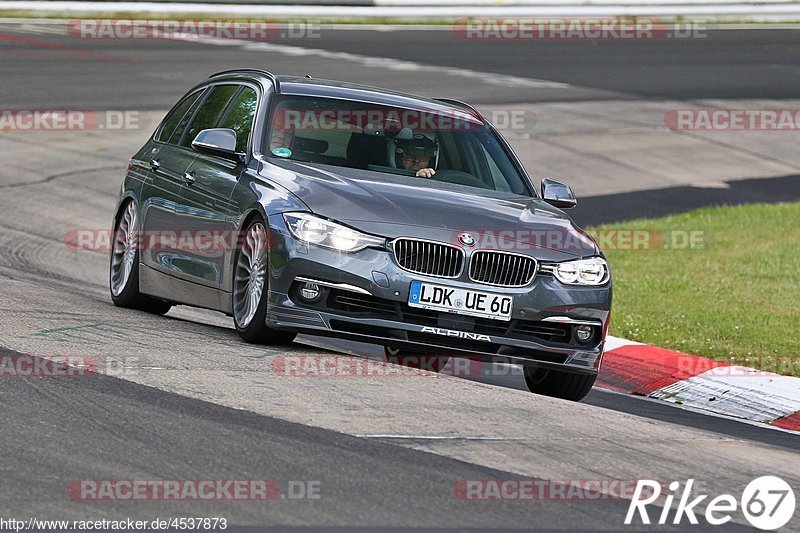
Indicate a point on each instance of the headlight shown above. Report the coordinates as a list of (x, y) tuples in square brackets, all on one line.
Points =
[(316, 230), (593, 271)]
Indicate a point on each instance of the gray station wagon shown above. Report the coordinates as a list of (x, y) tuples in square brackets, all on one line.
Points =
[(298, 205)]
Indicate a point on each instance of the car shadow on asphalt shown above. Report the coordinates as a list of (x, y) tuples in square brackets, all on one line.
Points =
[(611, 208)]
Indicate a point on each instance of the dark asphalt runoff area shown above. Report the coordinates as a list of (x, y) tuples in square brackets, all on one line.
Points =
[(718, 64), (56, 430), (124, 74), (605, 209)]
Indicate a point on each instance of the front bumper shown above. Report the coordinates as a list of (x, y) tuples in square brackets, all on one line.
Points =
[(364, 298)]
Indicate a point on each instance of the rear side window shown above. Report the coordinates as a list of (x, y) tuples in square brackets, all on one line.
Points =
[(209, 112), (240, 117), (175, 138), (175, 116)]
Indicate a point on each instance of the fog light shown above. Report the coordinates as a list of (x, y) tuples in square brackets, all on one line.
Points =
[(309, 291), (584, 334)]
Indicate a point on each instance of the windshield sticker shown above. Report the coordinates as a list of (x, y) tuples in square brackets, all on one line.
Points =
[(282, 152)]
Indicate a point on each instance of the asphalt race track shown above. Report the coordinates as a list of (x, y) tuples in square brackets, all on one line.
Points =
[(181, 397), (732, 64)]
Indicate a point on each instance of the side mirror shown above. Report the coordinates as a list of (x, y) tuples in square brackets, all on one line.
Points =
[(218, 141), (558, 194)]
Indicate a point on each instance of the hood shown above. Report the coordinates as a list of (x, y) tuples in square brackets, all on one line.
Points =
[(395, 206)]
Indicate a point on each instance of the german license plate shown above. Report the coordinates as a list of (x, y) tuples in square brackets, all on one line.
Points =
[(460, 301)]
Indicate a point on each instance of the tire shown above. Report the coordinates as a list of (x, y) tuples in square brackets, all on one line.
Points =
[(431, 363), (123, 270), (251, 286), (565, 385)]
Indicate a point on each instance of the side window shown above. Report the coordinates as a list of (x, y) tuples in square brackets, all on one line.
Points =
[(175, 116), (209, 113), (240, 117), (178, 133)]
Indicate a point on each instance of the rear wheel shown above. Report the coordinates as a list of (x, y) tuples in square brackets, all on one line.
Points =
[(431, 363), (565, 385), (250, 288), (123, 272)]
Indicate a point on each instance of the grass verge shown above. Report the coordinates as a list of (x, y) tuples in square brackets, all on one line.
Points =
[(734, 295)]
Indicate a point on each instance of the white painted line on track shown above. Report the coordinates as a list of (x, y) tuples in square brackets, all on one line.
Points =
[(435, 437), (388, 63), (398, 65)]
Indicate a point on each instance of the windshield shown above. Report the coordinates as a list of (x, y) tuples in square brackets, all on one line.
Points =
[(451, 147)]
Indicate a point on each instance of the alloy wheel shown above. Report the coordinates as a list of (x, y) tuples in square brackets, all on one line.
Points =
[(250, 274)]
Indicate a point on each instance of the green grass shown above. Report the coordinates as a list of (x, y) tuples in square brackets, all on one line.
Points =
[(736, 298)]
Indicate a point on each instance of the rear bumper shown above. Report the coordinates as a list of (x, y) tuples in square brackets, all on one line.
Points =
[(365, 299)]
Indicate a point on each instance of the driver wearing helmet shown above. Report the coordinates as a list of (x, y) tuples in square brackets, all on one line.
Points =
[(419, 153)]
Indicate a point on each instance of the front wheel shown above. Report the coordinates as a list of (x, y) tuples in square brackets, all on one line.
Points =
[(123, 271), (431, 363), (565, 385), (250, 288)]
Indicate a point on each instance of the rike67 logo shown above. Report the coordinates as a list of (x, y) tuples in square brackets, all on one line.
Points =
[(767, 503)]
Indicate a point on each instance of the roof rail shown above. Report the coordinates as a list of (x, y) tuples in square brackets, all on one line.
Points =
[(266, 73), (475, 113)]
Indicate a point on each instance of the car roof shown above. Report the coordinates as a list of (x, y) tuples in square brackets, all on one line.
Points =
[(308, 86)]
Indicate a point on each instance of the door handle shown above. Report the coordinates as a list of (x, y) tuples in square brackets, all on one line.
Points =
[(154, 164), (189, 178)]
